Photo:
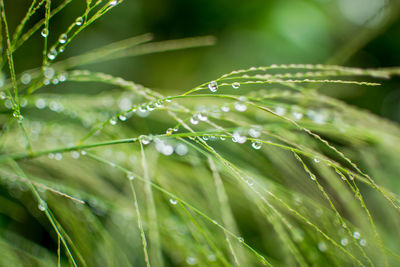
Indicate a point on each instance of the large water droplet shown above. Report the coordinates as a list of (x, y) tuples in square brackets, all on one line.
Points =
[(63, 38), (45, 32), (52, 54), (235, 85), (122, 117), (181, 149), (213, 86)]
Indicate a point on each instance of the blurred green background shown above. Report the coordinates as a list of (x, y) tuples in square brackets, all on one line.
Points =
[(361, 33)]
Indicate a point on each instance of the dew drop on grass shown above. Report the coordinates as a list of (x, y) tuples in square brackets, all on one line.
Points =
[(61, 49), (52, 54), (181, 149), (42, 206), (322, 246), (213, 86), (225, 108), (63, 38), (202, 117), (79, 21), (58, 156), (363, 242), (26, 78), (235, 85), (113, 3), (131, 176), (317, 160), (194, 121), (145, 140), (240, 239), (113, 121), (256, 145), (254, 133), (280, 111), (191, 260), (344, 241), (122, 117), (356, 235), (3, 95), (45, 32), (173, 201), (75, 154), (297, 115), (240, 106), (83, 152)]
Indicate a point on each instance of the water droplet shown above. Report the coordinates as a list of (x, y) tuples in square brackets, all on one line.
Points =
[(145, 140), (149, 107), (75, 154), (122, 117), (113, 3), (45, 32), (63, 38), (254, 132), (240, 239), (205, 137), (363, 242), (173, 201), (225, 108), (26, 78), (213, 86), (52, 54), (61, 49), (316, 160), (356, 235), (49, 73), (256, 145), (113, 121), (322, 246), (3, 95), (194, 121), (191, 260), (280, 111), (240, 106), (79, 21), (58, 156), (250, 182), (235, 85), (131, 176), (237, 138), (297, 115), (181, 149), (51, 156), (202, 117), (344, 241), (42, 206), (167, 150)]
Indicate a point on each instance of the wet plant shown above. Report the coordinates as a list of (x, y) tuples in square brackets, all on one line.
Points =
[(255, 167)]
